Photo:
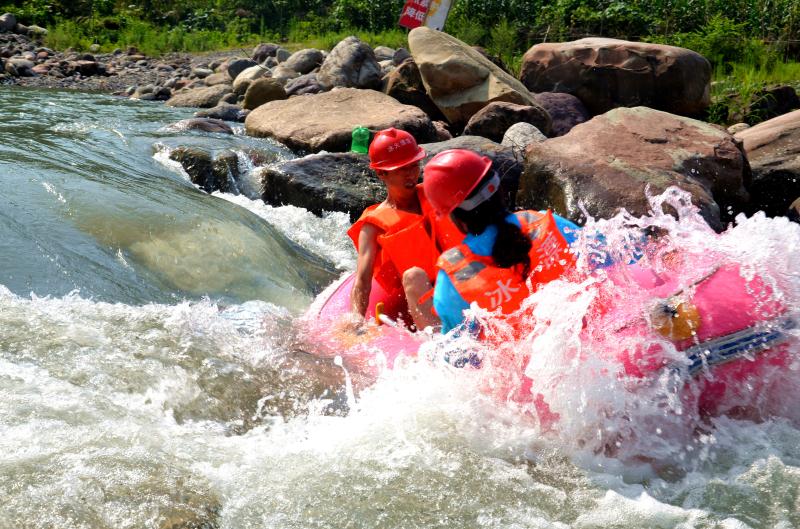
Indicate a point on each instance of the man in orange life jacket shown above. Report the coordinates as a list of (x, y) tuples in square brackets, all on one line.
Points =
[(501, 251), (400, 234)]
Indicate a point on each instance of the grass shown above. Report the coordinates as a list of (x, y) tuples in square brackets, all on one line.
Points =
[(736, 86)]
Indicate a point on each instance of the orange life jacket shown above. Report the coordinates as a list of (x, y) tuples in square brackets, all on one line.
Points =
[(406, 240), (478, 279)]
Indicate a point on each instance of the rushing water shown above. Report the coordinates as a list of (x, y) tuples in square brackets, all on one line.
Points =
[(153, 372)]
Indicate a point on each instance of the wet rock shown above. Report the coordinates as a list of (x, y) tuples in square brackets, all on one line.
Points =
[(203, 171), (503, 159), (238, 66), (202, 124), (460, 80), (350, 64), (263, 91), (494, 119), (519, 136), (609, 73), (206, 97), (305, 84), (565, 111), (304, 61), (606, 163), (773, 149), (335, 114), (224, 111), (264, 50), (324, 182)]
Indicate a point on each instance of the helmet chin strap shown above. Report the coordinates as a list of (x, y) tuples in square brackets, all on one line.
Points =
[(484, 193)]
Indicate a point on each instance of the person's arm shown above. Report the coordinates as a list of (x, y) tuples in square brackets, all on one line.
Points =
[(367, 251)]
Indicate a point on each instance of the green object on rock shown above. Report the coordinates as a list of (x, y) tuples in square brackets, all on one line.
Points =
[(360, 141)]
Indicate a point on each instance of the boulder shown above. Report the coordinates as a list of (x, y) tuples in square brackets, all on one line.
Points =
[(493, 120), (400, 56), (224, 111), (202, 124), (771, 102), (305, 84), (519, 136), (304, 61), (384, 53), (238, 66), (263, 91), (503, 159), (404, 83), (205, 97), (773, 149), (7, 23), (217, 78), (335, 114), (324, 182), (246, 77), (565, 111), (203, 171), (607, 163), (458, 79), (609, 73), (264, 50), (282, 54), (283, 74), (350, 64)]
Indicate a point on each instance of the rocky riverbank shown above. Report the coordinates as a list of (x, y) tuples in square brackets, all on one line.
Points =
[(591, 122)]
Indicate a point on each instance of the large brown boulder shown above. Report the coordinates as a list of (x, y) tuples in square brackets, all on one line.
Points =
[(404, 83), (263, 91), (773, 149), (493, 120), (565, 111), (607, 163), (326, 121), (324, 182), (351, 63), (609, 73), (460, 80), (205, 97)]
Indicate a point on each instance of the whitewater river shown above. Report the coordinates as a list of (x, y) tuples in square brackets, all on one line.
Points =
[(154, 372)]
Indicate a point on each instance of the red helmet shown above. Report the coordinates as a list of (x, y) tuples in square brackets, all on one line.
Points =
[(392, 148), (451, 176)]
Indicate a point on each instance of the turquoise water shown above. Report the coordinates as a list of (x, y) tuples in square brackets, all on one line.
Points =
[(154, 372)]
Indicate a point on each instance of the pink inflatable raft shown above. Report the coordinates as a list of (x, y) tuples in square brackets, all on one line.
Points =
[(724, 325)]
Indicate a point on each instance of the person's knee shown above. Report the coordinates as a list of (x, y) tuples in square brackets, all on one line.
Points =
[(414, 279)]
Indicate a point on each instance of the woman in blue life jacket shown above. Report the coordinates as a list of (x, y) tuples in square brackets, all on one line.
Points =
[(501, 251)]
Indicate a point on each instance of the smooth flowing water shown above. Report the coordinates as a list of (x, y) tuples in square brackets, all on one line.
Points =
[(154, 373)]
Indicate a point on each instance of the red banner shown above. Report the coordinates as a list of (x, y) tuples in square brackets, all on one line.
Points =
[(413, 14)]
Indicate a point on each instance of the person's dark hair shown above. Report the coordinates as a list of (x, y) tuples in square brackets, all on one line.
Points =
[(511, 246)]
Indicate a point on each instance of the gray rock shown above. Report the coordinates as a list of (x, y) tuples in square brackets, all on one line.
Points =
[(304, 61), (224, 111), (201, 73), (19, 67), (565, 111), (282, 54), (204, 171), (264, 50), (350, 64), (384, 53), (283, 74), (400, 55), (247, 76), (324, 182), (7, 23), (305, 84), (202, 124), (519, 136), (206, 97), (238, 66), (263, 91), (493, 120)]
